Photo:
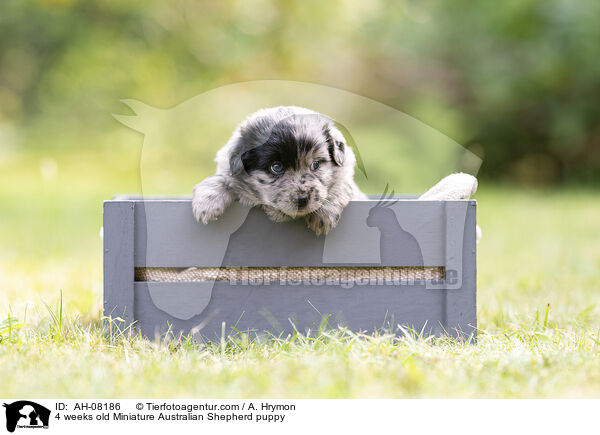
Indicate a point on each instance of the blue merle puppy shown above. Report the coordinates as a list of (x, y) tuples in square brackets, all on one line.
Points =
[(291, 161)]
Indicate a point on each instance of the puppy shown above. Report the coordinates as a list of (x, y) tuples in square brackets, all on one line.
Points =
[(291, 161)]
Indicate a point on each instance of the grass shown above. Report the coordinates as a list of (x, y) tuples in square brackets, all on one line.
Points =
[(538, 309)]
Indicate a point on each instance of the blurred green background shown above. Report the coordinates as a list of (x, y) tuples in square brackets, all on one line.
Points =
[(518, 85)]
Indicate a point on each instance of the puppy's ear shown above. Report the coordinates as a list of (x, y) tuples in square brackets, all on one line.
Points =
[(336, 144), (236, 158), (236, 165), (246, 161)]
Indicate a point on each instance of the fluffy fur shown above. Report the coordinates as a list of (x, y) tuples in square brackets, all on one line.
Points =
[(291, 161), (454, 186)]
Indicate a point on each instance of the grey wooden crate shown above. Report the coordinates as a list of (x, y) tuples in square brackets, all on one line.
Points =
[(162, 233)]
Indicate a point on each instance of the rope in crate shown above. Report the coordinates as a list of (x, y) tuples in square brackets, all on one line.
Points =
[(289, 274)]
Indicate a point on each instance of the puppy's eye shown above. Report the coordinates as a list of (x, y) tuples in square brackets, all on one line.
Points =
[(277, 168), (315, 165)]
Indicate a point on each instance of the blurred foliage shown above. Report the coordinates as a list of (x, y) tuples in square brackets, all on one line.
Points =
[(518, 83)]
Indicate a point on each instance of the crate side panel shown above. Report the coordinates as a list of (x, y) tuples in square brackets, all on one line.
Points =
[(168, 236)]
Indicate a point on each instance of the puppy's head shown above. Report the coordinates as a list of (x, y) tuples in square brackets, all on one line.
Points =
[(290, 162)]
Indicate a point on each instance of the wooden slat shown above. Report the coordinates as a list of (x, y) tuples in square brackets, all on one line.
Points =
[(274, 307), (118, 260), (168, 236)]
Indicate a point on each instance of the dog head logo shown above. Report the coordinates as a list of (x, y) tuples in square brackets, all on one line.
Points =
[(26, 414)]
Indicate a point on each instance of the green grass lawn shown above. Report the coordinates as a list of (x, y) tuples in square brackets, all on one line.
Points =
[(538, 309)]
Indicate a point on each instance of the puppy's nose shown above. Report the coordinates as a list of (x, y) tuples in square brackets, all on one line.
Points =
[(301, 200)]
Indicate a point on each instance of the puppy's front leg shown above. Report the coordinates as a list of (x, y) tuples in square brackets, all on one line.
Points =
[(324, 219), (211, 197)]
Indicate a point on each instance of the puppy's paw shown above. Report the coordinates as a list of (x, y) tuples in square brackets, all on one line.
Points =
[(321, 223), (206, 210), (207, 204), (276, 215)]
